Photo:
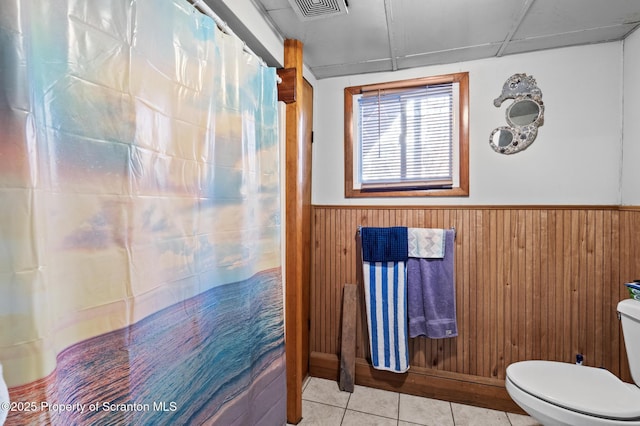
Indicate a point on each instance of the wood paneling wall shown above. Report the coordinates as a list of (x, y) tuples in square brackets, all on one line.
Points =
[(531, 283)]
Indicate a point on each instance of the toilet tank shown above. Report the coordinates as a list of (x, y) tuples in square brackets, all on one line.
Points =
[(629, 311)]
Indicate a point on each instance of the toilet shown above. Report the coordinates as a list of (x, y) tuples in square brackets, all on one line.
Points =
[(558, 393)]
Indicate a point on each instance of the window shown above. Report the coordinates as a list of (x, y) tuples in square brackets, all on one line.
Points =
[(408, 138)]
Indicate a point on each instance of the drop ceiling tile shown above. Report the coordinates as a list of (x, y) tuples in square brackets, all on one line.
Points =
[(448, 56), (274, 4), (432, 25), (569, 39), (427, 32), (548, 17), (358, 36), (352, 69)]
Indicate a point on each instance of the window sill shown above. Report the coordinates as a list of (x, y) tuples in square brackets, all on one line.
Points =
[(453, 192)]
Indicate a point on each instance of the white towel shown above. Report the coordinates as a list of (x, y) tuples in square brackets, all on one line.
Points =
[(426, 243), (386, 303)]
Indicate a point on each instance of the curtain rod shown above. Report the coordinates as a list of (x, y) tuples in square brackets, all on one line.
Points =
[(204, 8)]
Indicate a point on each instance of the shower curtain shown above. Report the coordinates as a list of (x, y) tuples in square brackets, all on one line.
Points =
[(140, 264)]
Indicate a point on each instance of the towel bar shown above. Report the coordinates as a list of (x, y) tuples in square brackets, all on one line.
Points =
[(453, 228)]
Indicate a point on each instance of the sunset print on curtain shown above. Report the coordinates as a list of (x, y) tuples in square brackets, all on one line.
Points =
[(140, 265)]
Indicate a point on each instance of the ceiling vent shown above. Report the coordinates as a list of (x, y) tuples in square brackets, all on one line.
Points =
[(308, 10)]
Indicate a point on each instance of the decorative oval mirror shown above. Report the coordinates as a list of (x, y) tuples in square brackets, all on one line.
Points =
[(524, 115), (502, 137)]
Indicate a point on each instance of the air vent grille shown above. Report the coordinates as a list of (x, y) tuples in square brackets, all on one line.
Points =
[(315, 9)]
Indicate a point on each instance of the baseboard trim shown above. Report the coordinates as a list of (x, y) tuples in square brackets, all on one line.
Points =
[(444, 385)]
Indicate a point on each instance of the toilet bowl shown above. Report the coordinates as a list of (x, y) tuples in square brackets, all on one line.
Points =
[(557, 393)]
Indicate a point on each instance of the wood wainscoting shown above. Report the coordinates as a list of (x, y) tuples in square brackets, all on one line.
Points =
[(532, 282)]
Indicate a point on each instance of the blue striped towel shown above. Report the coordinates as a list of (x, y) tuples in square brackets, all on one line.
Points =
[(386, 298)]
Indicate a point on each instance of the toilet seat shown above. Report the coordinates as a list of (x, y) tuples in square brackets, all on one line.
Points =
[(588, 390)]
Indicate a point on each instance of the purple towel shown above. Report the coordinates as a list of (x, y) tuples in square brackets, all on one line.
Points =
[(431, 294)]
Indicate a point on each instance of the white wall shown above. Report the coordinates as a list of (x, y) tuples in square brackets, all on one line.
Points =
[(576, 158), (631, 127)]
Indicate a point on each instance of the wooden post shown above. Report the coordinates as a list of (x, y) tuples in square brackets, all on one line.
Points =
[(295, 199), (348, 344)]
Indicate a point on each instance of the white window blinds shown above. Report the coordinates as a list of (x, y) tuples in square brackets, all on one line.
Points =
[(406, 137)]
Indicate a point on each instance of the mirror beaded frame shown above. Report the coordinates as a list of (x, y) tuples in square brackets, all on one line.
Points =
[(523, 127)]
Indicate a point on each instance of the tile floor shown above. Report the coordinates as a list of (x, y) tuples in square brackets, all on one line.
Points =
[(324, 404)]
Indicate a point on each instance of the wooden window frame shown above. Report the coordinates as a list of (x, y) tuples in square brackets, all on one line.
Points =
[(462, 189)]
